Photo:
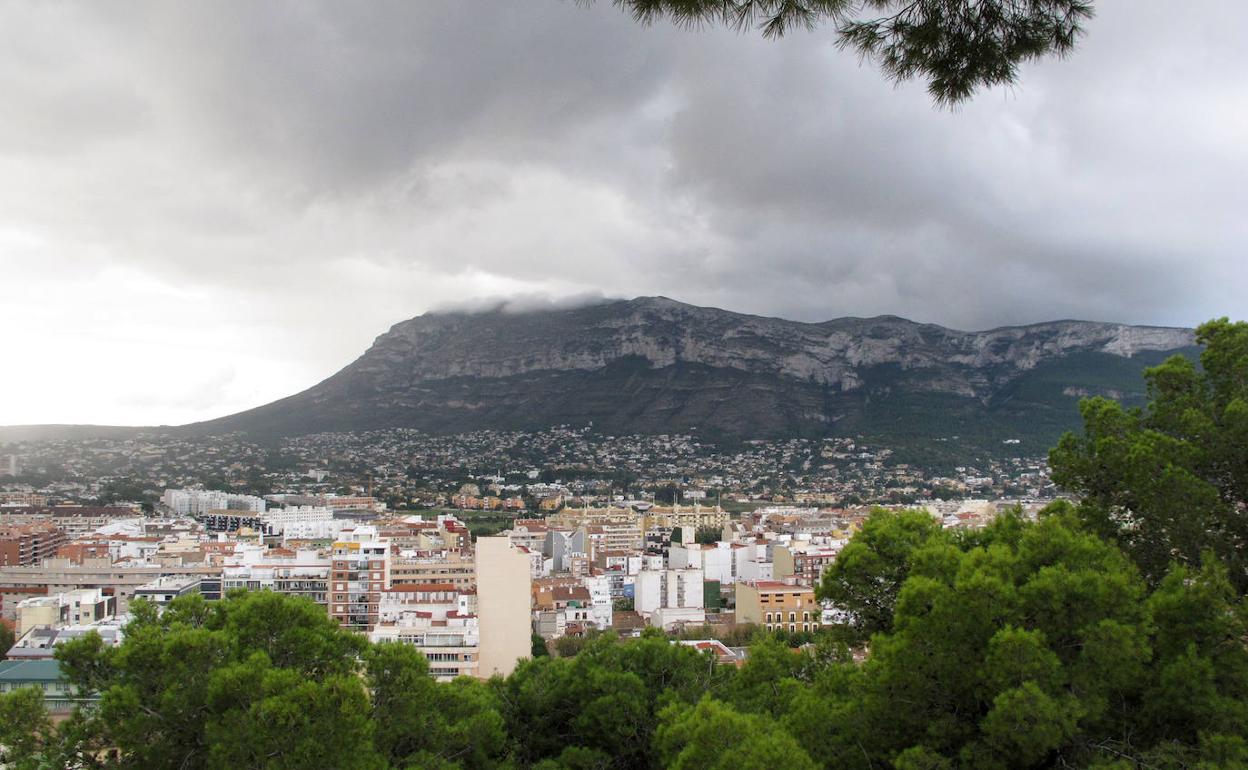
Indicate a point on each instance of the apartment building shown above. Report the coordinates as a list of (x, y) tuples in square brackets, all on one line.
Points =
[(26, 544), (670, 597), (503, 598), (451, 567), (438, 619), (70, 608), (359, 572), (694, 516), (452, 650), (73, 520), (777, 605), (163, 590), (804, 561), (305, 573), (193, 502), (56, 575)]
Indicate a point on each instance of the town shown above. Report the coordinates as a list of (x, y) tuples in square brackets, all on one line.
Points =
[(479, 549)]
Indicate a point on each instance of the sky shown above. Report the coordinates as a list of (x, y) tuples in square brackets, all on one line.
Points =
[(208, 206)]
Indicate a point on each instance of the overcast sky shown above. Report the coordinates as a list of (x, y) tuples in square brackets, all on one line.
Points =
[(207, 206)]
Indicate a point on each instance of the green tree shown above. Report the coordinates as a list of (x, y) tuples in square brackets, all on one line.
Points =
[(869, 571), (538, 645), (25, 729), (957, 46), (714, 736), (258, 679), (1035, 645), (603, 701), (707, 535), (1170, 481), (423, 724), (6, 638)]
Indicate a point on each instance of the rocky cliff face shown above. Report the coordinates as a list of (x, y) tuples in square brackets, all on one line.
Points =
[(653, 364), (663, 332)]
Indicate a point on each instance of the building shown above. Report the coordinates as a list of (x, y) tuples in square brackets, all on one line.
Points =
[(564, 545), (71, 608), (360, 571), (295, 573), (571, 606), (59, 697), (193, 502), (804, 561), (73, 520), (335, 502), (436, 618), (611, 529), (23, 500), (58, 575), (28, 544), (10, 466), (434, 567), (725, 655), (695, 517), (41, 642), (452, 651), (503, 598), (163, 590), (671, 597), (300, 521), (778, 606), (224, 520), (716, 560), (528, 533)]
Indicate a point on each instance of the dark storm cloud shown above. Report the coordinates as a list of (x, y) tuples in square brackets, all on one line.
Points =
[(276, 183)]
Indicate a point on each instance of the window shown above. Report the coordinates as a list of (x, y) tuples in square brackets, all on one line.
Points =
[(768, 617), (792, 617)]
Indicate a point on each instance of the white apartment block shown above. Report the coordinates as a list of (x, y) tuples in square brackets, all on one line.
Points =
[(668, 597), (191, 502), (503, 601)]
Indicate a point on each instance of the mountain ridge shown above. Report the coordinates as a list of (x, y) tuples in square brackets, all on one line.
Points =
[(656, 365)]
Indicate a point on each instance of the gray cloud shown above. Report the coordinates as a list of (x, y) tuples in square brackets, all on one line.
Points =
[(228, 201)]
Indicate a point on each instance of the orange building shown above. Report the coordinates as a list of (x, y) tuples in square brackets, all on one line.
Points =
[(22, 545)]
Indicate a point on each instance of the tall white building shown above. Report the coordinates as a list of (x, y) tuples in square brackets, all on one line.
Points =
[(504, 598), (669, 597)]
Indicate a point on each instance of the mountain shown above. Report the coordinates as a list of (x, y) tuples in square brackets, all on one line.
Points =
[(654, 365)]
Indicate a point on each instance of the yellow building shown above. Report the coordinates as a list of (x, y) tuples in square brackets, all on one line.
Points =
[(778, 606), (686, 516)]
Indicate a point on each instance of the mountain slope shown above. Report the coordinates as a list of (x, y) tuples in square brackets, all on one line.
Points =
[(655, 365)]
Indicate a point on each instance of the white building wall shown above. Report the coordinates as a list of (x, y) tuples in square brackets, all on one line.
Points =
[(755, 570), (648, 591), (718, 564), (503, 605), (658, 589)]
